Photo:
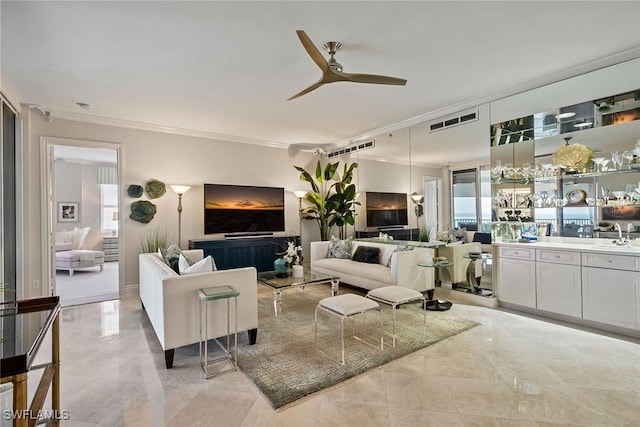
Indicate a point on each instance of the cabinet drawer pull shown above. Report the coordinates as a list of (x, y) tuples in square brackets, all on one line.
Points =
[(557, 256), (516, 253)]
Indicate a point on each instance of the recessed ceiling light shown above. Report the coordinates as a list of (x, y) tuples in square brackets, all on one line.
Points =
[(565, 115), (83, 105), (583, 124)]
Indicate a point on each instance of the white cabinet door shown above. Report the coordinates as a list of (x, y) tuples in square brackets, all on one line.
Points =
[(611, 296), (559, 288), (517, 282)]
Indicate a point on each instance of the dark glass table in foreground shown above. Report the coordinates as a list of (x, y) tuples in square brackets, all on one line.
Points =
[(278, 284), (23, 326)]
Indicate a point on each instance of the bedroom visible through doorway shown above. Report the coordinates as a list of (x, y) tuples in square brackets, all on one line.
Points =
[(85, 224)]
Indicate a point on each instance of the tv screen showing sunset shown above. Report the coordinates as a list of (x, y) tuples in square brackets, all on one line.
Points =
[(241, 208)]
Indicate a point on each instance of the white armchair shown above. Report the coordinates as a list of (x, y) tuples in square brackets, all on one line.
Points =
[(455, 253)]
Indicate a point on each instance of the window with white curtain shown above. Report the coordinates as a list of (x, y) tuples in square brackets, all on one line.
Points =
[(109, 208)]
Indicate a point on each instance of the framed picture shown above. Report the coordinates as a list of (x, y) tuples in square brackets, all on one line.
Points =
[(68, 212)]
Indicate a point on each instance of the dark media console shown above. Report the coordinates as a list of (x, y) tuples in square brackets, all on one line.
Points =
[(244, 251), (396, 233)]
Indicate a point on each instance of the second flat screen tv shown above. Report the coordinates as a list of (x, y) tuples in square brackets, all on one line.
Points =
[(242, 209), (386, 209)]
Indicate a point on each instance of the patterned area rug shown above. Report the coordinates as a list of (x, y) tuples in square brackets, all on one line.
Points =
[(285, 365)]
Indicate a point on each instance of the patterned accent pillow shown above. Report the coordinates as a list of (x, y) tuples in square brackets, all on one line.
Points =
[(367, 254), (399, 248), (339, 248), (460, 234), (171, 257)]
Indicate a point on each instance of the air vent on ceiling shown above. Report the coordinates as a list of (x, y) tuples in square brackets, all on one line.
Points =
[(457, 119), (356, 146)]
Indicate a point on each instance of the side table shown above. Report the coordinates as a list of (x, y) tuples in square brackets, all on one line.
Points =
[(223, 363), (437, 304)]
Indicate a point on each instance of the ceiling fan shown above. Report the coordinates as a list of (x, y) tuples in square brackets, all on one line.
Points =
[(332, 70)]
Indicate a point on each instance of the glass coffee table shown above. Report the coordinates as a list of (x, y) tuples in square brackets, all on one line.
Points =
[(278, 284)]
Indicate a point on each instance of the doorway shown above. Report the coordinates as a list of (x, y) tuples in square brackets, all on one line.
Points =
[(83, 222), (432, 203)]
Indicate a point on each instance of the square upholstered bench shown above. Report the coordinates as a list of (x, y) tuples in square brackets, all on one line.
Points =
[(395, 296), (343, 307)]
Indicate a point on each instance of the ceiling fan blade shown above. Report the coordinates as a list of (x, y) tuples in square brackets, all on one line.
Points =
[(313, 51), (371, 78), (309, 89)]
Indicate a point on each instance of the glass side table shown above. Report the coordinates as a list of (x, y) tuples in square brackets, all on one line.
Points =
[(221, 363), (437, 304), (472, 278)]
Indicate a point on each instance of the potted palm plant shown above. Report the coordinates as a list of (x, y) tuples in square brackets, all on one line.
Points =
[(332, 197)]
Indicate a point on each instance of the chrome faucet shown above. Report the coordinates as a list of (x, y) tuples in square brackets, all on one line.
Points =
[(621, 240)]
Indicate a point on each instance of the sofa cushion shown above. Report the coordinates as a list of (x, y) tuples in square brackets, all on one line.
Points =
[(205, 265), (399, 248), (339, 248), (376, 272), (368, 254)]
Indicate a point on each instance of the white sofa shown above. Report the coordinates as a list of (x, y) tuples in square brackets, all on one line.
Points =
[(404, 269), (171, 302)]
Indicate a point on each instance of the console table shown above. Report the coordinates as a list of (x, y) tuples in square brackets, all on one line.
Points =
[(258, 252), (397, 234), (24, 325)]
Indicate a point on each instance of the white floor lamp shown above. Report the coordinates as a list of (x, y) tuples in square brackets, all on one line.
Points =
[(418, 199), (180, 190), (300, 194)]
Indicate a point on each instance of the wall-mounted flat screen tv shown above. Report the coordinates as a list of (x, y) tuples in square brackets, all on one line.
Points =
[(386, 209), (242, 208)]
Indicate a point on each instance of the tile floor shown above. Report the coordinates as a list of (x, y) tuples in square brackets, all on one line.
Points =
[(510, 371)]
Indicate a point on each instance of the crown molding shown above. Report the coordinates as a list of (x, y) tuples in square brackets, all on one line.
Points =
[(130, 124)]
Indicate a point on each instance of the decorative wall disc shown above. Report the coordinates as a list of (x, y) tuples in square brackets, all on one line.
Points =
[(142, 211), (135, 190), (155, 188)]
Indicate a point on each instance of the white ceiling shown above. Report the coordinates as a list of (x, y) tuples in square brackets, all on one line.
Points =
[(227, 68)]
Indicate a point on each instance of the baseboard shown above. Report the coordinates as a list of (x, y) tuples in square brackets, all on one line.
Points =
[(489, 302)]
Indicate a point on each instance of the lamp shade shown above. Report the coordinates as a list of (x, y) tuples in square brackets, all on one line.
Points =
[(417, 198), (180, 189), (300, 193)]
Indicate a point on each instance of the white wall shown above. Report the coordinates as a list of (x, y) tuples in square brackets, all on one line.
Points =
[(76, 182), (171, 159)]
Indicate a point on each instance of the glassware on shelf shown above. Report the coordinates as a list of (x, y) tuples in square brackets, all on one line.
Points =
[(616, 158), (632, 193), (600, 162), (605, 194), (620, 196), (627, 154)]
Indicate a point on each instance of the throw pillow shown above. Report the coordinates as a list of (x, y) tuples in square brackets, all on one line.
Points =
[(399, 248), (459, 234), (339, 248), (203, 266), (172, 256), (184, 262), (483, 238), (367, 254)]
